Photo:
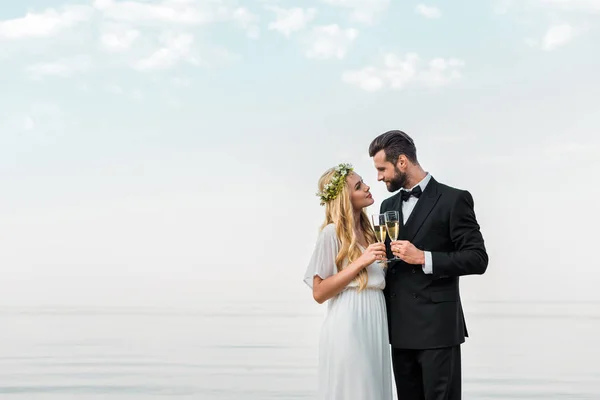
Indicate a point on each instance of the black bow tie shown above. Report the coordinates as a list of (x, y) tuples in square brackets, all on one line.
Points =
[(415, 192)]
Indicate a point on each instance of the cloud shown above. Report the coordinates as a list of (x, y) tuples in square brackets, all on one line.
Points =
[(397, 73), (428, 12), (291, 20), (115, 89), (118, 38), (28, 124), (130, 27), (37, 117), (177, 13), (363, 11), (577, 16), (577, 5), (330, 41), (45, 24), (175, 49), (557, 36), (247, 21), (180, 12), (63, 68)]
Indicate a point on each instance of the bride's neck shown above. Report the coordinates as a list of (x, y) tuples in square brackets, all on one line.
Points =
[(358, 231), (357, 220)]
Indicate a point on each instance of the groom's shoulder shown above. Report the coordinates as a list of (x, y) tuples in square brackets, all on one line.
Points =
[(453, 192), (447, 188), (385, 204)]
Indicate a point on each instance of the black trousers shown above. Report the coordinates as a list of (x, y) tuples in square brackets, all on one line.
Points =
[(431, 374)]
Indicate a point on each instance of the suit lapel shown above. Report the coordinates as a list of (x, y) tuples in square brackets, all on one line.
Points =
[(398, 207), (421, 211)]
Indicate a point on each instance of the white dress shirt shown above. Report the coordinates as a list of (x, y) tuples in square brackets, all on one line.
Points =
[(407, 207)]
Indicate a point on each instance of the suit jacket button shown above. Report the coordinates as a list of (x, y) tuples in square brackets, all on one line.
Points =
[(414, 270), (393, 271), (392, 294), (415, 295)]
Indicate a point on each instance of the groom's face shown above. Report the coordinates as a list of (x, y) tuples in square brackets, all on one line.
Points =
[(392, 175)]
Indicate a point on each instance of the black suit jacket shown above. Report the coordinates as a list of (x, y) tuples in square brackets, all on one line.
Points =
[(424, 310)]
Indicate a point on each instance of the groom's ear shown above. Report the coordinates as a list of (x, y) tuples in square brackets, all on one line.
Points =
[(402, 162)]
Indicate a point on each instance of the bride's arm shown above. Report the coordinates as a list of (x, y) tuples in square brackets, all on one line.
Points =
[(324, 289)]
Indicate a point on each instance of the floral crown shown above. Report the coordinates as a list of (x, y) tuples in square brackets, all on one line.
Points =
[(334, 188)]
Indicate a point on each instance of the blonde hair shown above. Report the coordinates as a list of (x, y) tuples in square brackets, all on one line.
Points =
[(340, 212)]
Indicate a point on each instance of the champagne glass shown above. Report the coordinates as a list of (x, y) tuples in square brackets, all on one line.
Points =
[(380, 228), (392, 221)]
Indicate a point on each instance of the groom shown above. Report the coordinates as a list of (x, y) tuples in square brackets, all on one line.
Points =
[(439, 241)]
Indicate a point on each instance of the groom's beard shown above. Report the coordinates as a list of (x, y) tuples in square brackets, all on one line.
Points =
[(398, 181)]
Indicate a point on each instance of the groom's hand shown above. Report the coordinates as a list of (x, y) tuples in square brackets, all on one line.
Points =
[(407, 252)]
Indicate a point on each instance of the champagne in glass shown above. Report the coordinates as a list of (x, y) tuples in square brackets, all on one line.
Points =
[(392, 221), (380, 228)]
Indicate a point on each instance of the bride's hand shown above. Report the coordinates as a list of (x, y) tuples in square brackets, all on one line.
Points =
[(375, 252)]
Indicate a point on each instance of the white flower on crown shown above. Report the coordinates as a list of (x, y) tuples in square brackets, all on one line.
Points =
[(332, 189)]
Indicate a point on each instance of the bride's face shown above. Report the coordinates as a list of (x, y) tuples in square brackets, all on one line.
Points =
[(360, 195)]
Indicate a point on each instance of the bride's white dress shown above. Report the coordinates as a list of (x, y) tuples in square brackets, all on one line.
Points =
[(354, 350)]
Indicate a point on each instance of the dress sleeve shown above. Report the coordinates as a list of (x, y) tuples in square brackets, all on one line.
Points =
[(322, 262)]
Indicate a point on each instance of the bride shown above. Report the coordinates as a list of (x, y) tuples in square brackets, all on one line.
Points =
[(344, 270)]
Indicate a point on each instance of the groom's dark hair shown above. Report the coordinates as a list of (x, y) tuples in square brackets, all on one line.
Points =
[(394, 143)]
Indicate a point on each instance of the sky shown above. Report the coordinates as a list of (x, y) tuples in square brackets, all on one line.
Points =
[(167, 152)]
